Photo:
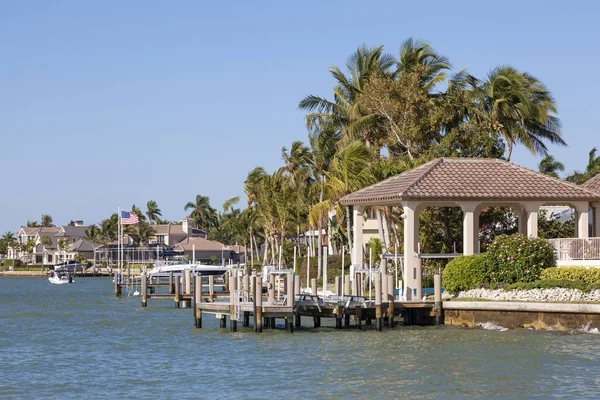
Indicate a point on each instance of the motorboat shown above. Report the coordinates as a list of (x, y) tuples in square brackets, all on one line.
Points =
[(68, 266), (163, 270), (61, 278)]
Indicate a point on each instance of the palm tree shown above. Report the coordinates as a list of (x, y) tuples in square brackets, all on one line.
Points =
[(419, 56), (344, 112), (153, 211), (47, 220), (138, 211), (144, 232), (8, 240), (204, 215), (521, 108), (591, 170), (94, 235), (549, 166)]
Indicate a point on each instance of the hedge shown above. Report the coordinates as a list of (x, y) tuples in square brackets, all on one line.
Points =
[(464, 273), (517, 258), (582, 274)]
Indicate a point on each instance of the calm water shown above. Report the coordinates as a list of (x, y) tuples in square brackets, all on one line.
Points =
[(79, 341)]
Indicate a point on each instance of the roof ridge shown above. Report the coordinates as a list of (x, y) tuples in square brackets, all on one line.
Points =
[(434, 164), (590, 182)]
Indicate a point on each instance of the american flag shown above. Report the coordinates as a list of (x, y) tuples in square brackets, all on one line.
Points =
[(128, 218)]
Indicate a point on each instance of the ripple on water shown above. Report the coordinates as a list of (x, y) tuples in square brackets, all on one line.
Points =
[(82, 342)]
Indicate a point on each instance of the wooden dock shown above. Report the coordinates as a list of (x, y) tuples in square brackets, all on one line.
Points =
[(238, 302)]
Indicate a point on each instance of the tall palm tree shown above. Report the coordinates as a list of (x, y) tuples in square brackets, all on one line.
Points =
[(344, 111), (138, 211), (204, 215), (521, 108), (94, 235), (549, 166), (591, 170), (47, 221), (419, 56), (153, 211), (8, 237)]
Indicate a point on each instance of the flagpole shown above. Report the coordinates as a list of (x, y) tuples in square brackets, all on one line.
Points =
[(119, 243)]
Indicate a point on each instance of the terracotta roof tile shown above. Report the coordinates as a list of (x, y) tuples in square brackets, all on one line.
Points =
[(470, 179), (593, 184)]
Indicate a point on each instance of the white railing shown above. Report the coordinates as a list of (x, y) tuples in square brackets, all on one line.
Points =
[(567, 249)]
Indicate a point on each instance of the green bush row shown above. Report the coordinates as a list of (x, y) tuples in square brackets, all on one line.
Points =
[(583, 274), (9, 261), (464, 273)]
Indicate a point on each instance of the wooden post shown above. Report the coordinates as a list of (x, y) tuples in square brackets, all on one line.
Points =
[(439, 309), (338, 286), (226, 288), (233, 298), (188, 281), (296, 284), (391, 311), (177, 291), (313, 289), (358, 317), (378, 313), (171, 284), (197, 301), (246, 284), (290, 301), (117, 287), (246, 321), (347, 285), (271, 300), (223, 321), (211, 288), (144, 290), (258, 326)]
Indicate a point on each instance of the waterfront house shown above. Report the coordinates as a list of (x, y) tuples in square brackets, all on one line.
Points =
[(171, 234), (205, 249)]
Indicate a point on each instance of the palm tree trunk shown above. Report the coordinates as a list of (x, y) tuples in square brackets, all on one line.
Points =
[(380, 225), (386, 229), (510, 149), (266, 247), (319, 238)]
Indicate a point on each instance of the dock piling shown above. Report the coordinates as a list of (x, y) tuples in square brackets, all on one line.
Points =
[(258, 325), (144, 290), (439, 309), (391, 311), (197, 300), (378, 313), (233, 298), (177, 293)]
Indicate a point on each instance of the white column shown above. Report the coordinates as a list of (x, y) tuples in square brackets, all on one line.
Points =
[(357, 245), (470, 228), (412, 266), (522, 220), (532, 219), (596, 214), (582, 219)]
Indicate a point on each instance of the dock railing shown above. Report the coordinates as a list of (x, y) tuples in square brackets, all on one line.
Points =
[(567, 249)]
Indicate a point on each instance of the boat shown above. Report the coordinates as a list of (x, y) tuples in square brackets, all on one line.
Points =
[(68, 266), (61, 278), (163, 270)]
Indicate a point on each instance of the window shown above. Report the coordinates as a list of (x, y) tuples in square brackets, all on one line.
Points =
[(160, 239)]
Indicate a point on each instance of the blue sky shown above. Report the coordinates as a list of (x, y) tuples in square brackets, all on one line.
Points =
[(114, 103)]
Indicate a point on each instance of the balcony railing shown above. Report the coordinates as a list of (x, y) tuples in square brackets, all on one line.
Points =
[(567, 249)]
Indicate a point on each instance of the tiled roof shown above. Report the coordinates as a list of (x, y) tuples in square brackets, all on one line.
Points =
[(201, 244), (593, 184), (72, 231), (460, 179)]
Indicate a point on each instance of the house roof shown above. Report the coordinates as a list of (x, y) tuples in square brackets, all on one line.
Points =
[(81, 245), (175, 229), (460, 179), (593, 184), (187, 244), (72, 231), (41, 230)]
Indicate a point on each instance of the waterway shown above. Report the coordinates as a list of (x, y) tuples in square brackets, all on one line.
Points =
[(79, 341)]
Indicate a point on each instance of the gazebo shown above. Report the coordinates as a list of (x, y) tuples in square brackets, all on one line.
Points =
[(471, 184)]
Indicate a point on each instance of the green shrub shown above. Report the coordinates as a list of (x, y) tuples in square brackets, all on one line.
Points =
[(464, 273), (517, 258), (549, 284), (12, 262), (583, 274)]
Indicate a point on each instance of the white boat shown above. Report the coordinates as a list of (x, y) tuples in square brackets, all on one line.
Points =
[(163, 270), (60, 279)]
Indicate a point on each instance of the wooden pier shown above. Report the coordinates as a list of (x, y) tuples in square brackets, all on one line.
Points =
[(242, 298)]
